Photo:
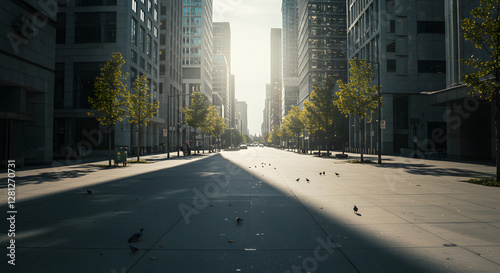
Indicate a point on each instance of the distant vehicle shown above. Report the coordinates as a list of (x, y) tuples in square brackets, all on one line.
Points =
[(261, 145), (243, 146)]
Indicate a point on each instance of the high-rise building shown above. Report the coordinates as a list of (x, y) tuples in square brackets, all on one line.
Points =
[(406, 41), (222, 70), (88, 32), (170, 70), (290, 24), (221, 85), (197, 47), (242, 117), (266, 113), (27, 54), (222, 40), (321, 43), (276, 77)]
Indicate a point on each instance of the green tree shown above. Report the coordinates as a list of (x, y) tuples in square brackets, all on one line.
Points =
[(294, 122), (139, 106), (276, 135), (232, 137), (483, 29), (358, 97), (214, 124), (110, 93), (320, 110), (196, 114)]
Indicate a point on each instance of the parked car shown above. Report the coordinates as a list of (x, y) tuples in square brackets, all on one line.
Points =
[(243, 146)]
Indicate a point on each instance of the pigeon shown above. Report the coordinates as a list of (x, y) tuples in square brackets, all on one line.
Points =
[(298, 179), (307, 179), (323, 172), (355, 209), (337, 174), (238, 220), (133, 248), (319, 173), (89, 191), (136, 236)]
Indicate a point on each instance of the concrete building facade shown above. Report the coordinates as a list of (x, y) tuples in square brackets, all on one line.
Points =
[(27, 54), (88, 33), (406, 41), (170, 72)]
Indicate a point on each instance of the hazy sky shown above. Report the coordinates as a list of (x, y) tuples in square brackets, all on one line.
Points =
[(251, 22)]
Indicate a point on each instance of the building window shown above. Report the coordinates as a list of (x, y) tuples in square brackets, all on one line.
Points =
[(155, 53), (142, 15), (149, 24), (391, 26), (148, 46), (95, 27), (88, 3), (59, 86), (134, 5), (148, 68), (155, 31), (391, 46), (391, 65), (142, 37), (84, 75), (142, 62), (430, 27), (438, 67), (61, 28), (133, 32), (133, 56)]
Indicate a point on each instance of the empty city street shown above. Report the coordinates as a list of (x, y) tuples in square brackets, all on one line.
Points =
[(413, 216)]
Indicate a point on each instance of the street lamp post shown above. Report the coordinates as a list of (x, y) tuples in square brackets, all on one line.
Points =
[(379, 113)]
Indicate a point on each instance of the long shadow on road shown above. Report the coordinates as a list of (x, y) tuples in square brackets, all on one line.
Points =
[(188, 214)]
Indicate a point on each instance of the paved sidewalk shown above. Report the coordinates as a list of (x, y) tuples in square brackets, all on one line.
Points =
[(414, 216)]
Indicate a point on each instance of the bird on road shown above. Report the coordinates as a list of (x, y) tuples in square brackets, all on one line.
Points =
[(355, 209), (323, 172), (320, 173), (133, 248), (337, 174), (238, 220), (89, 191), (307, 179), (136, 236), (298, 179)]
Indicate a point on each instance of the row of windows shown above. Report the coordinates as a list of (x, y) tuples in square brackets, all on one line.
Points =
[(327, 53), (327, 20), (329, 64), (88, 3), (191, 11), (326, 42), (194, 31), (328, 31), (95, 27), (191, 2), (151, 9), (191, 21), (327, 8), (424, 66), (191, 41)]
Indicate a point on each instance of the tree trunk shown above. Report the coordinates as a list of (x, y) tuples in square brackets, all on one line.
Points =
[(138, 141), (496, 109), (361, 138), (109, 146)]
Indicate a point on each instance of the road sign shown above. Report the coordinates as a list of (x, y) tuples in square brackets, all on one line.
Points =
[(382, 124), (165, 132)]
